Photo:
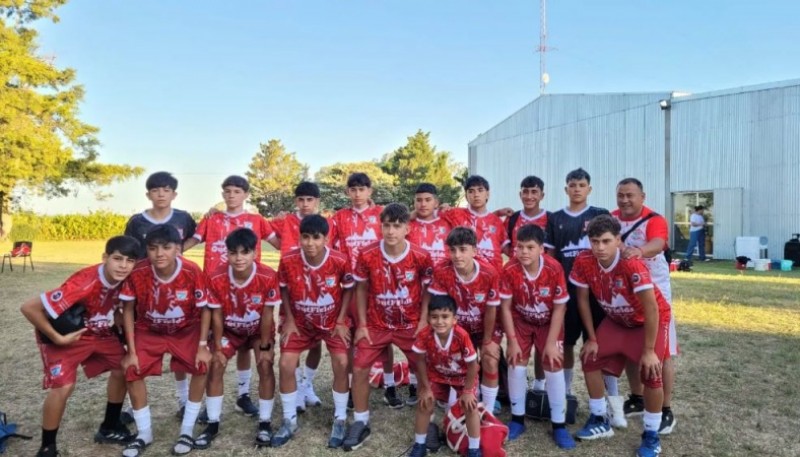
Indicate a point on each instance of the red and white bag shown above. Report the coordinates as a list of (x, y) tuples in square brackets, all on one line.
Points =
[(401, 374), (493, 432)]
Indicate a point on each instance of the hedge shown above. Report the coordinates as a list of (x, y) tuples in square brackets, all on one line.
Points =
[(99, 225)]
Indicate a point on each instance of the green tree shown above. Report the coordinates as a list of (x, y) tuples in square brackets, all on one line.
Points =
[(332, 181), (44, 146), (418, 161), (273, 174)]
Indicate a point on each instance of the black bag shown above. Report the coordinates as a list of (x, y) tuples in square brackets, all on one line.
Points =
[(537, 406), (667, 251), (69, 321)]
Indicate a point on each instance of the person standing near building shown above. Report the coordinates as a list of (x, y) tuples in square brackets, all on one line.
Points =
[(697, 234)]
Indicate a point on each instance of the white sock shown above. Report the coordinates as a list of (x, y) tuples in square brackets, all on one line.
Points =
[(309, 374), (539, 384), (517, 381), (412, 379), (298, 376), (214, 408), (143, 426), (488, 396), (612, 385), (289, 403), (419, 438), (265, 410), (474, 443), (568, 380), (190, 417), (556, 395), (453, 398), (244, 381), (597, 406), (651, 421), (362, 416), (340, 405), (388, 379), (182, 391)]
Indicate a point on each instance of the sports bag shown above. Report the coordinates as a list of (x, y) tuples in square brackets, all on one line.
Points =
[(493, 432)]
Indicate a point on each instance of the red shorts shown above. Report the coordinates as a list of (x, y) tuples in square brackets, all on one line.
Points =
[(366, 354), (232, 342), (530, 336), (441, 391), (309, 339), (97, 356), (477, 338), (151, 347), (618, 345)]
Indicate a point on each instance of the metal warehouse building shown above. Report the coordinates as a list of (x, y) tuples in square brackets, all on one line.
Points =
[(736, 151)]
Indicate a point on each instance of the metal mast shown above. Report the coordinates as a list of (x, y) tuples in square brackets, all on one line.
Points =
[(544, 78)]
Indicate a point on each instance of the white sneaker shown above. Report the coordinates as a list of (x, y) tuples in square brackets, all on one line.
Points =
[(616, 412), (311, 398)]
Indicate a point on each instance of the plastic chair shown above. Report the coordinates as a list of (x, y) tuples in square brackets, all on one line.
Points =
[(22, 249)]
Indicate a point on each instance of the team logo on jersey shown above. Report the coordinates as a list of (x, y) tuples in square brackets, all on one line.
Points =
[(558, 290), (248, 225), (442, 230), (410, 275), (180, 232), (479, 298), (55, 370), (544, 292), (492, 294), (198, 295), (181, 294), (372, 219), (636, 278), (330, 281), (255, 299), (348, 278), (56, 296), (271, 294), (492, 229), (224, 342), (618, 283)]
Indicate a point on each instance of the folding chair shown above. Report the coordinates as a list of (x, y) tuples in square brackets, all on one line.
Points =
[(21, 249)]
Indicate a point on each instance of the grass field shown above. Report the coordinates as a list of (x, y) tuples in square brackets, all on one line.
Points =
[(737, 391)]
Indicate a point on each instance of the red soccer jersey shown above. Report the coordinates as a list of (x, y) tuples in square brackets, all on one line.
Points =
[(242, 304), (395, 285), (615, 287), (447, 364), (430, 236), (472, 296), (166, 306), (315, 293), (523, 220), (215, 228), (87, 287), (490, 231), (533, 297), (354, 230), (287, 228)]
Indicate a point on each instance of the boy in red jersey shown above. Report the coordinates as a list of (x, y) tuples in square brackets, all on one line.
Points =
[(636, 329), (427, 230), (166, 311), (246, 293), (316, 281), (475, 286), (96, 346), (446, 359), (213, 229), (534, 293), (392, 275)]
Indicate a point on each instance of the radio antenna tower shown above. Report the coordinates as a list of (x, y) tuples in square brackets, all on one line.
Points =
[(544, 77)]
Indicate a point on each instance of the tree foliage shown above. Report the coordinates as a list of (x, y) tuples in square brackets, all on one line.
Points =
[(273, 174), (332, 181), (43, 144)]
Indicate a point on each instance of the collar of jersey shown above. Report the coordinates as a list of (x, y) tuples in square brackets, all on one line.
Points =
[(398, 258), (449, 339), (178, 266), (477, 214), (247, 282), (612, 266), (571, 214), (525, 217), (324, 259), (101, 272), (474, 273), (538, 273), (155, 221)]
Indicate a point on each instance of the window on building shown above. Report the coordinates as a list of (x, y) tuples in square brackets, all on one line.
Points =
[(683, 204)]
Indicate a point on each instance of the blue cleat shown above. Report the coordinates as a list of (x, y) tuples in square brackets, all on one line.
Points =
[(474, 453), (651, 445), (596, 427), (418, 450), (515, 429), (563, 439)]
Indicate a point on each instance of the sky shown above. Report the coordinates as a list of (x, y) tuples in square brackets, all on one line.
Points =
[(194, 87)]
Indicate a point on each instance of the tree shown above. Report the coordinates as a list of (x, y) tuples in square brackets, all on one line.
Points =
[(332, 181), (418, 161), (273, 174), (43, 144)]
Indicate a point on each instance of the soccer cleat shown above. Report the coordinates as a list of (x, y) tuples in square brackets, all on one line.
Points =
[(49, 451), (357, 434), (634, 406), (264, 434), (596, 427), (391, 398), (337, 434), (284, 433), (432, 441), (310, 397), (245, 406), (616, 415), (183, 446), (418, 450), (563, 439), (667, 422), (204, 439), (474, 453), (202, 418), (651, 445), (515, 429), (126, 417), (412, 395), (118, 435)]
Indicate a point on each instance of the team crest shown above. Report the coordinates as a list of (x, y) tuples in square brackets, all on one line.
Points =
[(544, 292), (198, 295), (56, 296), (442, 230), (255, 299), (492, 294), (271, 294), (635, 278), (409, 275), (180, 232), (558, 290), (492, 229), (618, 283), (55, 370), (479, 298), (248, 225), (372, 219), (224, 342), (181, 294), (330, 281)]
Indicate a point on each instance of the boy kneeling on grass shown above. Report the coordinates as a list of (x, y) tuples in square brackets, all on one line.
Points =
[(636, 329), (95, 346), (446, 359)]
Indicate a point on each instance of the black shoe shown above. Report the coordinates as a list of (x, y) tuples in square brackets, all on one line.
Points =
[(390, 398), (49, 451), (432, 441), (117, 435), (126, 417), (202, 418), (412, 395), (667, 422), (633, 406), (357, 434), (264, 434), (204, 439), (245, 406)]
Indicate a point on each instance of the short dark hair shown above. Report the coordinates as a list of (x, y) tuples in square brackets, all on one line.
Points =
[(532, 181), (358, 179), (601, 224), (627, 181), (461, 236), (426, 188), (307, 189), (442, 303), (236, 181), (579, 174), (531, 232), (125, 245), (476, 181), (699, 207), (241, 238), (162, 234), (314, 224), (161, 179), (395, 212)]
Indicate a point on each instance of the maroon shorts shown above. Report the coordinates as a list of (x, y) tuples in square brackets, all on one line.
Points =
[(310, 338), (441, 392), (619, 345), (366, 354), (233, 342), (151, 347), (477, 338), (530, 336), (96, 355)]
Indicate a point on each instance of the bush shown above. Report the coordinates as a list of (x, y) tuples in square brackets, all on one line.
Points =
[(99, 225)]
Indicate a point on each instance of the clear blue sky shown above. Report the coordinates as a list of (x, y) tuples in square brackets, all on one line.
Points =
[(193, 87)]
